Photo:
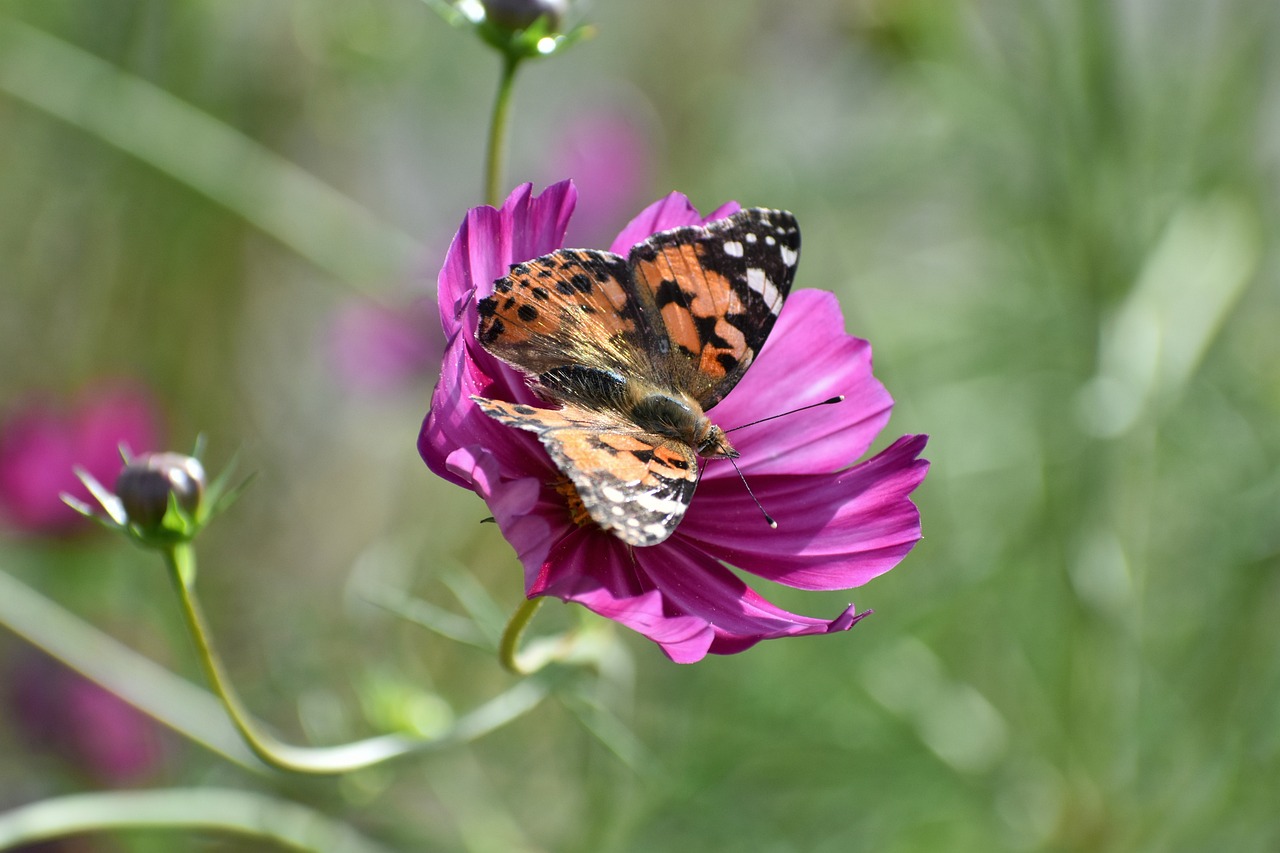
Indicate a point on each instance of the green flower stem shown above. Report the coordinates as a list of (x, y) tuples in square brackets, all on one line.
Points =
[(498, 130), (236, 813), (331, 759), (509, 647)]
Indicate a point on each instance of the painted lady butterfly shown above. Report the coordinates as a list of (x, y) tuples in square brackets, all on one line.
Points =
[(635, 350)]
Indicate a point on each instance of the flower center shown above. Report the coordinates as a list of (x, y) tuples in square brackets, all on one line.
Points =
[(577, 509)]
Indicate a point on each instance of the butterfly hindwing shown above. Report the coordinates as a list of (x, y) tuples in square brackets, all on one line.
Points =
[(634, 484), (718, 290)]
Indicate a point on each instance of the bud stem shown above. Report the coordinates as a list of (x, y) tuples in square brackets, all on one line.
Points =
[(498, 130), (325, 760)]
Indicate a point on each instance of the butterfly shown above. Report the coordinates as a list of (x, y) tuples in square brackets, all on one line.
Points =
[(635, 351)]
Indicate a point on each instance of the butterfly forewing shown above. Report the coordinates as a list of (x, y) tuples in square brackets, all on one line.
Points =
[(571, 307), (718, 290), (634, 484)]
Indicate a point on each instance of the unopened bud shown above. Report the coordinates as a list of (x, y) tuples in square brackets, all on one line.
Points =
[(519, 14), (146, 483)]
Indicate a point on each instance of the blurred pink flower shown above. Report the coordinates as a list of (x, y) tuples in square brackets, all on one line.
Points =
[(378, 349), (92, 728), (842, 523), (608, 156), (40, 442)]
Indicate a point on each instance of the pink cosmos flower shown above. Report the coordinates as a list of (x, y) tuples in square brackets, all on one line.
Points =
[(839, 523), (40, 442), (91, 727), (609, 156)]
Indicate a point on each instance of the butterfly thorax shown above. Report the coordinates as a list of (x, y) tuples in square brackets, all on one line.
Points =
[(660, 410), (677, 415)]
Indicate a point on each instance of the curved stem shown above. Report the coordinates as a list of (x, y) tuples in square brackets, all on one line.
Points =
[(331, 759), (509, 648), (498, 130), (237, 813)]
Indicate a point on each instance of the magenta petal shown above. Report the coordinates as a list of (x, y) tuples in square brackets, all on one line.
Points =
[(835, 531), (673, 211), (595, 570), (695, 584), (791, 372), (539, 226), (520, 504), (454, 420)]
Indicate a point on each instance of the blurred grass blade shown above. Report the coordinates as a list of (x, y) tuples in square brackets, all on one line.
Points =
[(236, 813), (475, 599), (321, 224), (1193, 277), (448, 625), (146, 685), (613, 733)]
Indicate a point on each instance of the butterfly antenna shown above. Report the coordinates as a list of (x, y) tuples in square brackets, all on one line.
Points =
[(767, 517), (837, 399)]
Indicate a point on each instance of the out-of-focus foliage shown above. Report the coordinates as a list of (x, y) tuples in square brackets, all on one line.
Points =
[(1054, 222)]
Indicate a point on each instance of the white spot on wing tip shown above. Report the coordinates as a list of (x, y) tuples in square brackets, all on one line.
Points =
[(733, 248), (760, 283), (789, 256)]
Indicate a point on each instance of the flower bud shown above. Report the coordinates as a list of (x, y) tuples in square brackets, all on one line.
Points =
[(518, 14), (146, 483)]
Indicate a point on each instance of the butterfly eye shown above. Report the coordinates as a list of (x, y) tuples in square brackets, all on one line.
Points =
[(716, 444)]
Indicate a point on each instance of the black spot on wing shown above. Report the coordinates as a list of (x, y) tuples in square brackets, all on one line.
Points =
[(706, 328), (682, 465), (491, 331), (668, 292)]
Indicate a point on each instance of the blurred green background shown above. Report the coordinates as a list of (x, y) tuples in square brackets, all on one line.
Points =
[(1053, 220)]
